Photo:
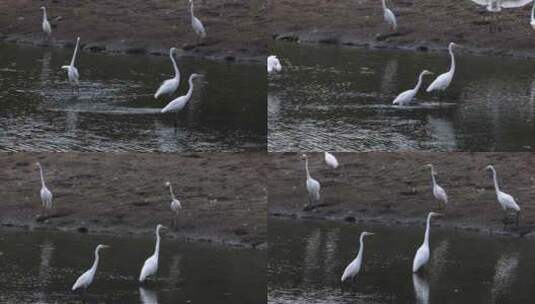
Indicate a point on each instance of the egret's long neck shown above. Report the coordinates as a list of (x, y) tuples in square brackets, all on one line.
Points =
[(157, 247), (44, 14), (433, 177), (495, 178), (533, 12), (419, 83), (42, 176), (191, 9), (75, 51), (452, 66), (177, 72), (95, 264), (306, 167), (190, 90), (384, 4), (427, 228), (171, 191), (361, 249)]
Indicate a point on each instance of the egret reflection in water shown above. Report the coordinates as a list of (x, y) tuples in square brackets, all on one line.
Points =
[(421, 288), (504, 276)]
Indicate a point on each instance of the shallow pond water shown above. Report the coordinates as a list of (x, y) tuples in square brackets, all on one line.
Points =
[(340, 99), (114, 109), (307, 259), (41, 267)]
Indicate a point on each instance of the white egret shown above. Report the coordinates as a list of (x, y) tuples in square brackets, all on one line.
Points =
[(196, 24), (46, 195), (150, 267), (498, 5), (390, 18), (47, 29), (444, 80), (313, 186), (438, 192), (273, 64), (506, 201), (87, 277), (175, 203), (354, 267), (532, 22), (179, 103), (422, 255), (406, 97), (330, 160), (72, 71), (169, 86)]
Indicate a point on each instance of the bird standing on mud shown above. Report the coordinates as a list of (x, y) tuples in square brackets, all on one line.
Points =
[(196, 24), (423, 253), (405, 98), (312, 185), (175, 205), (442, 82), (389, 16), (47, 29), (438, 192), (46, 195), (273, 64), (87, 277), (507, 202), (150, 267), (72, 71), (354, 267), (169, 86)]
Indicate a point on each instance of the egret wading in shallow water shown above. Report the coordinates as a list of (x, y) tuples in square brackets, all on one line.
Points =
[(175, 203), (313, 186), (87, 277), (169, 86), (442, 82), (273, 64), (406, 97), (47, 29), (72, 71), (46, 195), (150, 267), (438, 192), (507, 202), (330, 160), (354, 267), (196, 24), (179, 103), (389, 16), (423, 253)]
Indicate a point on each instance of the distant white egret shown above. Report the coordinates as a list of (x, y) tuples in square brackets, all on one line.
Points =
[(47, 29), (532, 22), (390, 18), (438, 192), (175, 203), (422, 255), (46, 195), (497, 5), (313, 186), (196, 24), (273, 64), (180, 102), (150, 267), (169, 86), (444, 80), (330, 160), (406, 97), (72, 71), (506, 201), (354, 267), (87, 277)]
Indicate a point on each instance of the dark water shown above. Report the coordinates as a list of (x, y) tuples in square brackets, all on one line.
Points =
[(307, 259), (42, 267), (340, 99), (115, 109)]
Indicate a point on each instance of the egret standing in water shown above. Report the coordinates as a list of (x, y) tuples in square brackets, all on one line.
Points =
[(150, 267), (438, 192), (169, 86), (443, 80), (354, 267), (196, 24), (390, 18), (507, 202), (313, 186), (72, 71), (422, 255), (46, 195), (273, 64), (47, 29), (406, 97), (87, 277), (179, 103), (175, 203), (330, 160)]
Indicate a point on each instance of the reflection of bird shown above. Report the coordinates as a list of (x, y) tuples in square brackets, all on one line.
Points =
[(421, 288), (330, 160), (87, 278), (422, 254), (180, 102), (313, 186), (169, 86), (273, 64), (390, 18), (406, 97), (444, 80), (438, 192), (72, 71), (504, 275), (46, 195), (147, 296), (354, 267), (506, 201), (46, 25), (175, 203), (150, 267), (198, 28)]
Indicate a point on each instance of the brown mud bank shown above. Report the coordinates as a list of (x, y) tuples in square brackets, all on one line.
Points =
[(223, 195), (236, 29), (394, 189), (422, 25)]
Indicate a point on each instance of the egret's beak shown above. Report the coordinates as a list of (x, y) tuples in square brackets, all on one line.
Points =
[(438, 214), (106, 246)]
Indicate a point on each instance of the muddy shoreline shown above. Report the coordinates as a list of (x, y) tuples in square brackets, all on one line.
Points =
[(235, 28), (423, 26), (222, 194), (394, 189)]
